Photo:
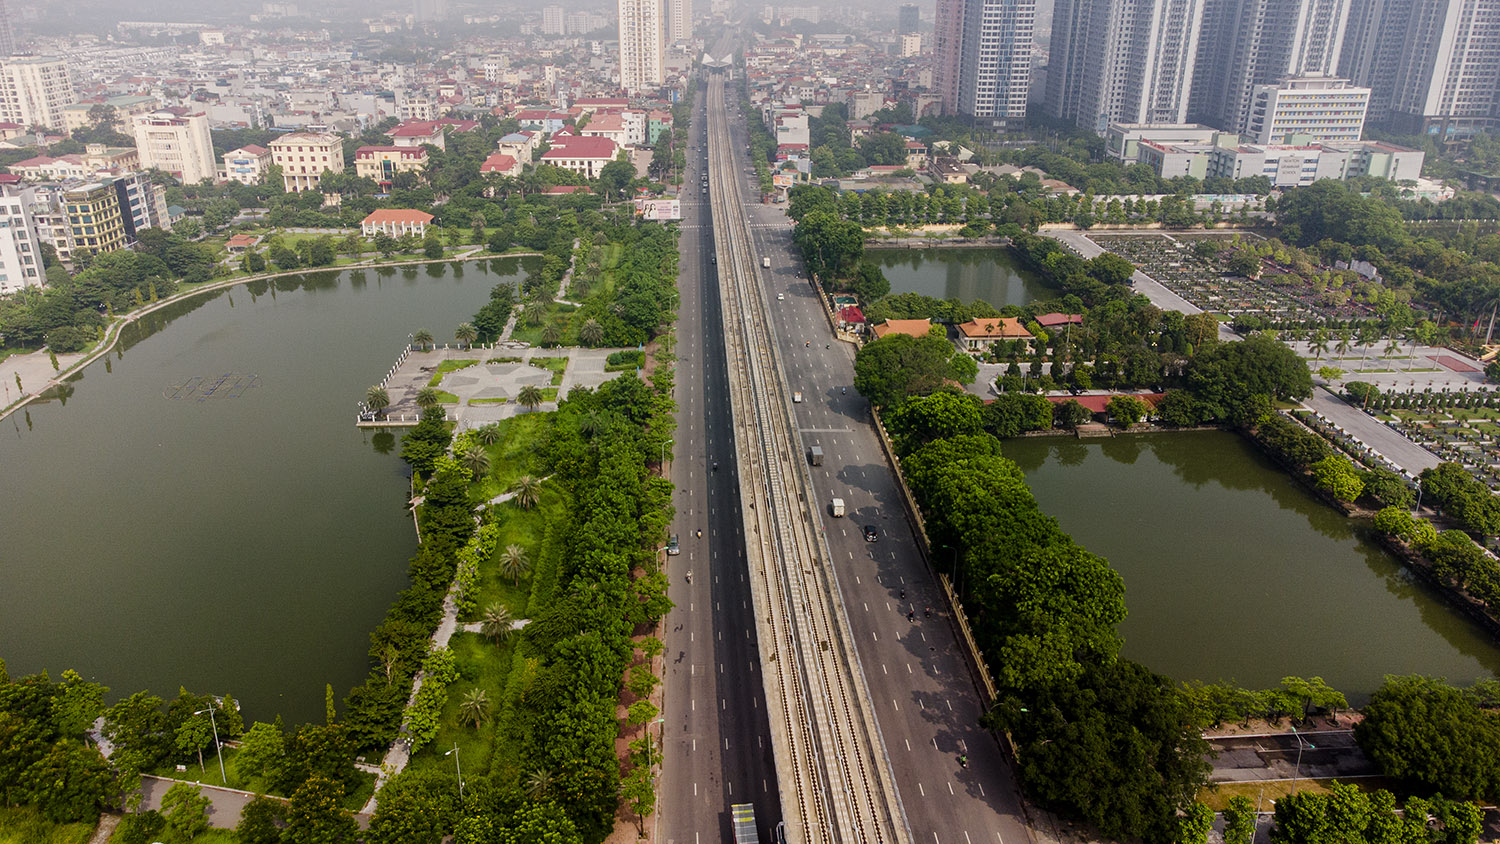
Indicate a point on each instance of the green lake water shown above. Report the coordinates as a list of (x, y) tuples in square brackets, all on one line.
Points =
[(246, 543), (993, 275), (1233, 571)]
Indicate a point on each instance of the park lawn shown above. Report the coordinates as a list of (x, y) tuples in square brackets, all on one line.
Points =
[(514, 454), (25, 825), (484, 665), (556, 365), (489, 401), (557, 314), (446, 367), (528, 529), (550, 393), (445, 397)]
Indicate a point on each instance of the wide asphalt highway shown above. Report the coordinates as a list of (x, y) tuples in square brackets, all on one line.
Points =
[(925, 697), (716, 747)]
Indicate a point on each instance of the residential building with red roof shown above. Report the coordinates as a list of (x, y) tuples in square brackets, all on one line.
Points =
[(909, 327), (501, 164), (396, 222), (581, 155), (1054, 320), (978, 334)]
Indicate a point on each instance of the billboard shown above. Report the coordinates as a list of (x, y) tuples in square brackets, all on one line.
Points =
[(659, 210)]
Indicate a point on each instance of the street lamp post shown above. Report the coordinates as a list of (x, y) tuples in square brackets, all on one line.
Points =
[(459, 769), (1300, 743), (223, 777), (664, 452)]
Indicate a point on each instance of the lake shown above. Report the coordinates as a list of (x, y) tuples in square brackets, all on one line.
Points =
[(201, 510), (962, 273), (1235, 572)]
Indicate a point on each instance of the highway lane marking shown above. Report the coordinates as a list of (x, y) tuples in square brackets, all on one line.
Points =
[(895, 704), (882, 669), (907, 742), (962, 746), (950, 704), (920, 789), (867, 607), (908, 668), (877, 635), (951, 793)]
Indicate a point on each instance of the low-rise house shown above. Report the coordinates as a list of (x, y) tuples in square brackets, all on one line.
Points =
[(910, 327), (979, 334), (396, 222), (501, 164)]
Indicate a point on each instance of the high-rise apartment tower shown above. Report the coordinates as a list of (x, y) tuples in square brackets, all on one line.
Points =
[(643, 37), (1247, 43), (1123, 61), (983, 57), (1433, 66)]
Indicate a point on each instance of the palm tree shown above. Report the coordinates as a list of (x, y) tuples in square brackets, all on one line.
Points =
[(538, 783), (423, 339), (551, 334), (513, 562), (527, 491), (530, 396), (592, 333), (488, 434), (591, 423), (476, 706), (533, 314), (477, 460), (1319, 344), (1392, 346), (1368, 337), (465, 333), (495, 624), (1346, 341), (377, 399), (427, 397)]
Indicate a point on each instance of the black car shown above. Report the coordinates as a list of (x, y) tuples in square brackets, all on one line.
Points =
[(871, 534)]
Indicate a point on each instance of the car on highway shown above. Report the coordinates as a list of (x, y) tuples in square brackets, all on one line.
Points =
[(797, 397), (871, 533), (780, 297), (673, 546)]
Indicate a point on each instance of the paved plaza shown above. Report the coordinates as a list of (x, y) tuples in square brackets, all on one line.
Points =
[(494, 382)]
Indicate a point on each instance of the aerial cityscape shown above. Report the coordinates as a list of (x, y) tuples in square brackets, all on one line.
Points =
[(659, 422)]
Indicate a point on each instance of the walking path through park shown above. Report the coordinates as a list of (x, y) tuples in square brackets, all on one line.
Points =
[(35, 372), (1154, 290)]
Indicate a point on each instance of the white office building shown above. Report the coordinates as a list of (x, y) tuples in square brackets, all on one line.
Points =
[(20, 248), (1311, 108), (34, 91), (176, 143)]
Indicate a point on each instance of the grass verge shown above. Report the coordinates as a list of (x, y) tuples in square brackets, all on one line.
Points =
[(25, 825)]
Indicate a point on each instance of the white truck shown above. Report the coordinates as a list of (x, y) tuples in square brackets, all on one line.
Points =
[(836, 507), (765, 262)]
